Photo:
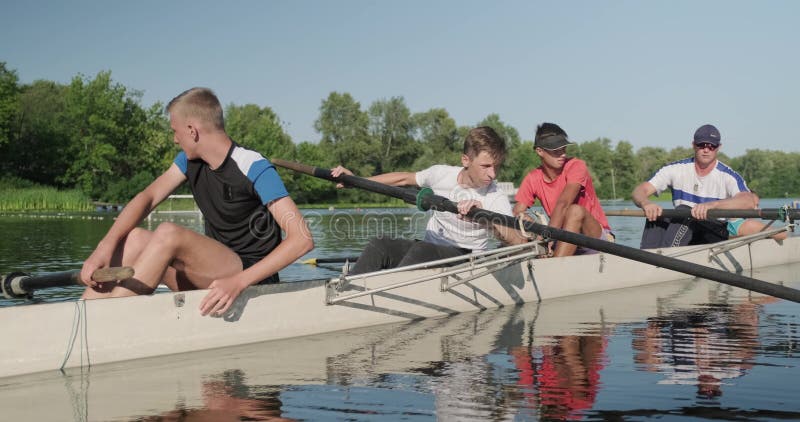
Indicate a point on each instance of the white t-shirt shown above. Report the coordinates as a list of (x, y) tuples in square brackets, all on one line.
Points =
[(690, 189), (445, 228)]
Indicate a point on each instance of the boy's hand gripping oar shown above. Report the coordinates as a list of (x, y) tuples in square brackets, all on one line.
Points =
[(18, 285)]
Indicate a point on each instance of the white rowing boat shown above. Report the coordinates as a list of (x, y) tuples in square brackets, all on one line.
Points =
[(48, 337), (168, 385)]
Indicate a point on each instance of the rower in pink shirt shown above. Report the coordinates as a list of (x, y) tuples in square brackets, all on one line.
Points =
[(564, 188)]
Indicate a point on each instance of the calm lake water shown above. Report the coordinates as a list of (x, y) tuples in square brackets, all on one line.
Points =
[(688, 349)]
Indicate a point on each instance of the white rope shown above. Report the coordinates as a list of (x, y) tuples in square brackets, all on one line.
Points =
[(78, 316), (521, 222)]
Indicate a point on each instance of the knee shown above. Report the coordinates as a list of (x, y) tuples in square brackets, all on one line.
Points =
[(575, 212), (138, 237), (166, 234)]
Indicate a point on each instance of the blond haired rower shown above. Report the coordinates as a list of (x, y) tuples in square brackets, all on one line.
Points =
[(245, 206)]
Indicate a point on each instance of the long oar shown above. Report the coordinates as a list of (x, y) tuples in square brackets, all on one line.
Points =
[(426, 200), (315, 261), (782, 214), (18, 285)]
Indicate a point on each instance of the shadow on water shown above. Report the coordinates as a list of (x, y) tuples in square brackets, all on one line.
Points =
[(689, 349)]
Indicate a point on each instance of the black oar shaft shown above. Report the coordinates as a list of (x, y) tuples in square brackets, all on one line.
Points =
[(21, 285), (315, 261), (763, 213), (435, 202), (406, 195)]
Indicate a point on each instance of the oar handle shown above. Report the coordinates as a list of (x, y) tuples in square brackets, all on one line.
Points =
[(428, 201), (103, 275), (18, 285), (304, 168), (407, 195)]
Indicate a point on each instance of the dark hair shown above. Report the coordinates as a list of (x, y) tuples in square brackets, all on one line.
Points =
[(548, 129), (484, 138), (200, 103), (550, 136)]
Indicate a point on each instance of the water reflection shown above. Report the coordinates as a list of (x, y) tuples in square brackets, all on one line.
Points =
[(623, 354), (561, 380), (226, 397), (706, 347)]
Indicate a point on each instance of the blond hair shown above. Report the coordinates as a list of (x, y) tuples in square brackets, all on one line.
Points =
[(200, 103)]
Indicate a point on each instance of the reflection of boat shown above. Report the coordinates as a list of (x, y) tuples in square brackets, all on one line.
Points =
[(439, 348), (72, 334)]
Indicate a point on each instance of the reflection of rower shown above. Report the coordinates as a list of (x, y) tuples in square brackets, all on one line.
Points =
[(561, 379), (226, 397), (702, 348)]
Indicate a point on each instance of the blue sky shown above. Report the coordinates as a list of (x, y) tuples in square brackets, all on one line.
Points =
[(646, 72)]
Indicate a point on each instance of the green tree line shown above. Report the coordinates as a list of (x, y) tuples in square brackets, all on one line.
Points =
[(94, 135)]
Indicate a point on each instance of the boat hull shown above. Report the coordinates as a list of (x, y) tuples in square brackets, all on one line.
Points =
[(47, 337)]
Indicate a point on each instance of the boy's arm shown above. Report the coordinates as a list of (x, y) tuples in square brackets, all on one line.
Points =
[(401, 178), (565, 199), (297, 242), (132, 214)]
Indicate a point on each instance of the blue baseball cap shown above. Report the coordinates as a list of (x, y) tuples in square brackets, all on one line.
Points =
[(707, 134)]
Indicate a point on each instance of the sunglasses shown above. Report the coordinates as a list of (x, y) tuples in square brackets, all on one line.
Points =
[(706, 145)]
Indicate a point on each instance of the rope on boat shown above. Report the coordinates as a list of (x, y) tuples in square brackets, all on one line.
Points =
[(78, 316), (522, 230)]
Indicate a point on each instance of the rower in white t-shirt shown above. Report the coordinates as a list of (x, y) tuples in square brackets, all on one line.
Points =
[(700, 183), (447, 235)]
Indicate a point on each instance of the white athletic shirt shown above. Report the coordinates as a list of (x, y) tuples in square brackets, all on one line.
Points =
[(690, 189), (445, 228)]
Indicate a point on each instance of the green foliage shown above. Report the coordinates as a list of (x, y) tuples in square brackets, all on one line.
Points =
[(22, 195), (392, 128), (305, 189), (440, 141), (42, 133), (679, 153), (258, 129), (123, 190), (520, 160), (104, 118), (650, 159), (623, 171), (9, 102), (600, 159), (93, 139), (14, 182), (154, 151), (343, 127), (508, 133)]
